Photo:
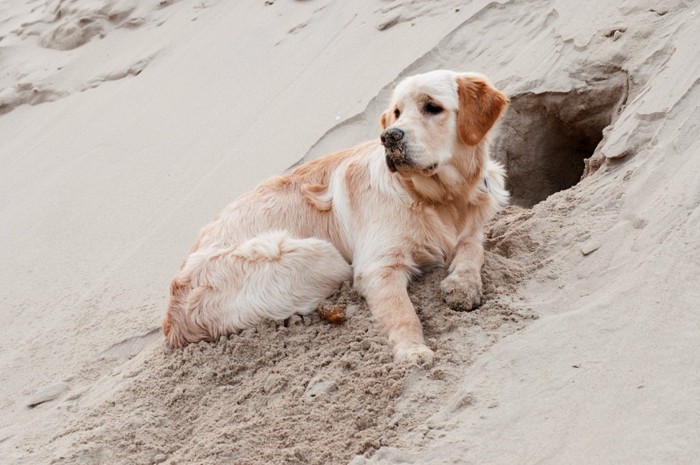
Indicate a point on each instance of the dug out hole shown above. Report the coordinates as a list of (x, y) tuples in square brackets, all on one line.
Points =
[(544, 138)]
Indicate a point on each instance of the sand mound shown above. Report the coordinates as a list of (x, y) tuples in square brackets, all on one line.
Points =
[(302, 391)]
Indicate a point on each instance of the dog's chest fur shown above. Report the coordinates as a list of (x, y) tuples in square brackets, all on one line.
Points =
[(378, 213)]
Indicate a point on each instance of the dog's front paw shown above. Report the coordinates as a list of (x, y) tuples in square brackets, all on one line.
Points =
[(462, 292), (413, 353)]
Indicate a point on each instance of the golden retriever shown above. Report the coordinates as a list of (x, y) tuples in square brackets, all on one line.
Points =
[(378, 213)]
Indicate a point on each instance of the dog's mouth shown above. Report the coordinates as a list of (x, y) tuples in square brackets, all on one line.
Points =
[(397, 159)]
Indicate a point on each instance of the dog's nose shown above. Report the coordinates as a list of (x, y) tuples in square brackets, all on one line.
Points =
[(391, 137)]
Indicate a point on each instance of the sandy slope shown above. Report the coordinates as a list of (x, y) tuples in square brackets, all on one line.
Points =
[(125, 126)]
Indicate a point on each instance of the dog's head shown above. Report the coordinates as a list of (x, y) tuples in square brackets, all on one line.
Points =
[(434, 116)]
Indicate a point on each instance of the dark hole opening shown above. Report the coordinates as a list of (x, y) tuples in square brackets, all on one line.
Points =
[(544, 138)]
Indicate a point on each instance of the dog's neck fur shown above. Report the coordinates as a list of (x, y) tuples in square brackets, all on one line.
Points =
[(452, 181)]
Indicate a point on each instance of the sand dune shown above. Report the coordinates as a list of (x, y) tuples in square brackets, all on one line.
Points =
[(127, 125)]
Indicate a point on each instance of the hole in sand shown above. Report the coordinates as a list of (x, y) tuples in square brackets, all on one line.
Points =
[(544, 138)]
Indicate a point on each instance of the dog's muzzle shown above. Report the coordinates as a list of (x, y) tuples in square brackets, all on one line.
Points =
[(393, 141)]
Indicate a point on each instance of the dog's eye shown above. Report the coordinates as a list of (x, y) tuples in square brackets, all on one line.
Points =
[(433, 108), (397, 113)]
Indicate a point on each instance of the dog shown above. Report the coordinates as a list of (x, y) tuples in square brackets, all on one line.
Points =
[(379, 213)]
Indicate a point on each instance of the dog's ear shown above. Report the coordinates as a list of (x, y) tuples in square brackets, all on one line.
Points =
[(480, 106), (384, 120)]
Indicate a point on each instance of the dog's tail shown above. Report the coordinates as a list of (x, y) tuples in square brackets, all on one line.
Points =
[(178, 325), (495, 179)]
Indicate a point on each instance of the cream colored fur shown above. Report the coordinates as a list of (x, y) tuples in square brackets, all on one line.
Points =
[(284, 247)]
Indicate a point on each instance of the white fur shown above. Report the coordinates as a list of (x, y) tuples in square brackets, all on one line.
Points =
[(284, 247), (495, 181)]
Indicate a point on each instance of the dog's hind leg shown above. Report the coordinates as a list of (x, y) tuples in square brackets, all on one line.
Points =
[(284, 276), (270, 276)]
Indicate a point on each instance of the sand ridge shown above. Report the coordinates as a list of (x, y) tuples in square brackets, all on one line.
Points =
[(301, 391)]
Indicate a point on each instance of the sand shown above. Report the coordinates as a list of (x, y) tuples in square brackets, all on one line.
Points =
[(126, 126)]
